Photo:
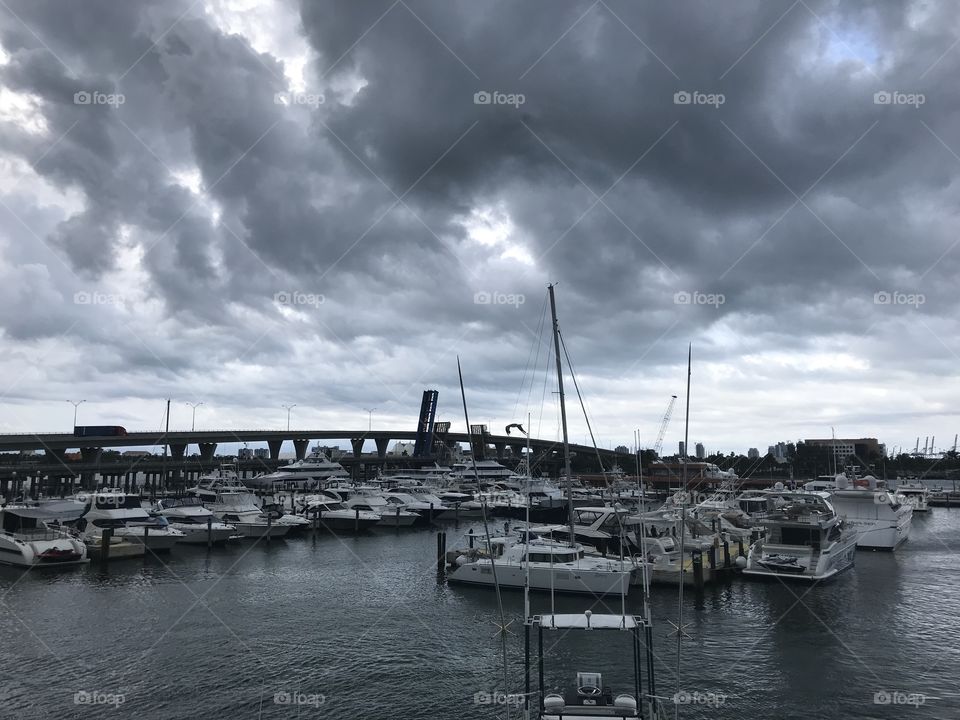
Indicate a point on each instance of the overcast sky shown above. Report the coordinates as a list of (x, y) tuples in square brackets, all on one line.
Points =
[(250, 204)]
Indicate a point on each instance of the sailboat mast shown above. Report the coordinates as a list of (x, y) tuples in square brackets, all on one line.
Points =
[(563, 413)]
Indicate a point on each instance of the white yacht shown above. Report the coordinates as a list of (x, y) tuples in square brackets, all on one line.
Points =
[(915, 493), (112, 508), (419, 500), (487, 472), (197, 523), (881, 516), (369, 499), (608, 529), (334, 516), (26, 541), (805, 537), (311, 473), (547, 565), (232, 503)]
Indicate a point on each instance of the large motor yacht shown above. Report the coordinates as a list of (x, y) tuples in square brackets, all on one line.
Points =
[(232, 503), (881, 516), (311, 473), (197, 523), (805, 538), (26, 541)]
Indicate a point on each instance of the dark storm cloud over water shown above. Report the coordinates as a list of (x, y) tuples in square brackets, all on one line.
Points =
[(784, 187)]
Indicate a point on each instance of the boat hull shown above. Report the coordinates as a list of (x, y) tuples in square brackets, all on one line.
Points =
[(585, 582), (197, 534)]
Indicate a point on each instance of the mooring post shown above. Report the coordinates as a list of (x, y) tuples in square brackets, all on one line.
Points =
[(397, 523), (146, 540), (209, 531), (726, 553), (269, 526), (697, 557), (431, 512), (105, 537), (441, 552), (356, 520)]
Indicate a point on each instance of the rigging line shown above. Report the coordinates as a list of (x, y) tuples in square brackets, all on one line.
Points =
[(543, 397), (528, 366), (486, 530), (583, 407)]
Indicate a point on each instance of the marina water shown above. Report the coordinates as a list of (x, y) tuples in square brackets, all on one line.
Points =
[(359, 627)]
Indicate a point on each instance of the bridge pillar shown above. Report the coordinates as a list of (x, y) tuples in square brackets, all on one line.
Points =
[(274, 446), (500, 448), (57, 456), (357, 444), (178, 452), (382, 444), (206, 451), (91, 455), (517, 450), (300, 447)]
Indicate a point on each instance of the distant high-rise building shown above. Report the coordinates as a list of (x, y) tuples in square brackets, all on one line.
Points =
[(261, 453), (622, 449), (245, 453), (683, 449), (753, 453), (701, 453)]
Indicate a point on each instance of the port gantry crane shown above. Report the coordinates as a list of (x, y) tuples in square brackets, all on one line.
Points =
[(658, 445)]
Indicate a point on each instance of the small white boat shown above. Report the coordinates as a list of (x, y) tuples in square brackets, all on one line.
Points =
[(916, 494), (805, 538), (26, 541), (197, 523)]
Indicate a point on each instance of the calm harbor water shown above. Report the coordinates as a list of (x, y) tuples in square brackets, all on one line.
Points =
[(332, 627)]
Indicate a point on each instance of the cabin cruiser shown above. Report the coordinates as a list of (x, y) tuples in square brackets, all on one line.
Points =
[(543, 563), (232, 503), (26, 541), (369, 499), (609, 529), (279, 516), (419, 500), (123, 513), (487, 472), (915, 493), (333, 515), (881, 516), (311, 473), (197, 523), (805, 537)]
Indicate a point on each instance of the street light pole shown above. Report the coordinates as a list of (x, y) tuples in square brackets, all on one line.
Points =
[(76, 404), (288, 408), (369, 418), (193, 419)]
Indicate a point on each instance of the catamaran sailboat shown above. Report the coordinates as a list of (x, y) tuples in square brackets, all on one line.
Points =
[(550, 565)]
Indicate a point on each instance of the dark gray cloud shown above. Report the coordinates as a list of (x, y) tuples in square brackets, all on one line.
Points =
[(340, 250)]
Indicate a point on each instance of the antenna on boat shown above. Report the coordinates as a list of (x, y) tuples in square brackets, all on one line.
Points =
[(486, 530), (683, 526), (563, 414)]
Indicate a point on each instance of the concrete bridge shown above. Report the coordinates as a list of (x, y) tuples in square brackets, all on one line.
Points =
[(57, 444)]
